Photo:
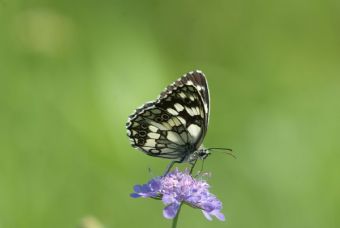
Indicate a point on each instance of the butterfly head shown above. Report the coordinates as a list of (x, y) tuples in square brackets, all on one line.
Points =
[(202, 153)]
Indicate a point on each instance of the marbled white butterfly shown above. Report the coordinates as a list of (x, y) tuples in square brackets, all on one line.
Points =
[(174, 125)]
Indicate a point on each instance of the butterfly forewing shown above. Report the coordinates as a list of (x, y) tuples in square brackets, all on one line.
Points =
[(175, 124)]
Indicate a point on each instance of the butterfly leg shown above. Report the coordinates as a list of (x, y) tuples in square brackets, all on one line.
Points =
[(201, 169), (193, 163), (168, 168)]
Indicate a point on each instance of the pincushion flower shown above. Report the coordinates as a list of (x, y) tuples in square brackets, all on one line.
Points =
[(180, 187)]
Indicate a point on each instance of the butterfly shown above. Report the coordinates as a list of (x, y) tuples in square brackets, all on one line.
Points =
[(175, 124)]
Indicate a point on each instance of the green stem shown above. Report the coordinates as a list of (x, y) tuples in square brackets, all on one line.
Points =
[(174, 221)]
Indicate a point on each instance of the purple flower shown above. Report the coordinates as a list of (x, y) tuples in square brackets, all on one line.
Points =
[(179, 187)]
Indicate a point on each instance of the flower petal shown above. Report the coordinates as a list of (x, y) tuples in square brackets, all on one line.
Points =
[(155, 184), (145, 188), (137, 188), (168, 199), (170, 211), (135, 195), (218, 215), (207, 215)]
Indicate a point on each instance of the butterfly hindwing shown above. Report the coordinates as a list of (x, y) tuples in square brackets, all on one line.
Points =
[(175, 124), (150, 131)]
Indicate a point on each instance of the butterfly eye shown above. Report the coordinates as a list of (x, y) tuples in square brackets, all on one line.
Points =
[(165, 117)]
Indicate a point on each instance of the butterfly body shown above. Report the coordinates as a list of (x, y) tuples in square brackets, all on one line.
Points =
[(174, 125)]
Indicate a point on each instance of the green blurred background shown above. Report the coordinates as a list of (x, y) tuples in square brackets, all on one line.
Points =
[(72, 71)]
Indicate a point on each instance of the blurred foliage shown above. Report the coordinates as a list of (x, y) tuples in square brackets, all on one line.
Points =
[(72, 71)]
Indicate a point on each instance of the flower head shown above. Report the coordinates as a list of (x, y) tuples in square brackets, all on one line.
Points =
[(177, 187)]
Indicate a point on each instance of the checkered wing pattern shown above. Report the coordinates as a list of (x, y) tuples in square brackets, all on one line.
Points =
[(174, 125)]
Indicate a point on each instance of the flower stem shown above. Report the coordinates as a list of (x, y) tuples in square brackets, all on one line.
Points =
[(174, 221)]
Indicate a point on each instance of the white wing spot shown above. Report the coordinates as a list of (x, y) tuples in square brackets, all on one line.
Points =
[(193, 109), (174, 137), (182, 120), (150, 143), (153, 128), (194, 131), (168, 126), (198, 111), (179, 107), (158, 125), (171, 122), (176, 121), (154, 135), (201, 112), (182, 95), (172, 111), (189, 111)]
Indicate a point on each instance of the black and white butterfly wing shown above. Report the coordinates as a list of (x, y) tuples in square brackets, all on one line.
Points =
[(175, 124)]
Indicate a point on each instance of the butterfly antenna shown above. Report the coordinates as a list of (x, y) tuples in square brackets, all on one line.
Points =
[(226, 150)]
